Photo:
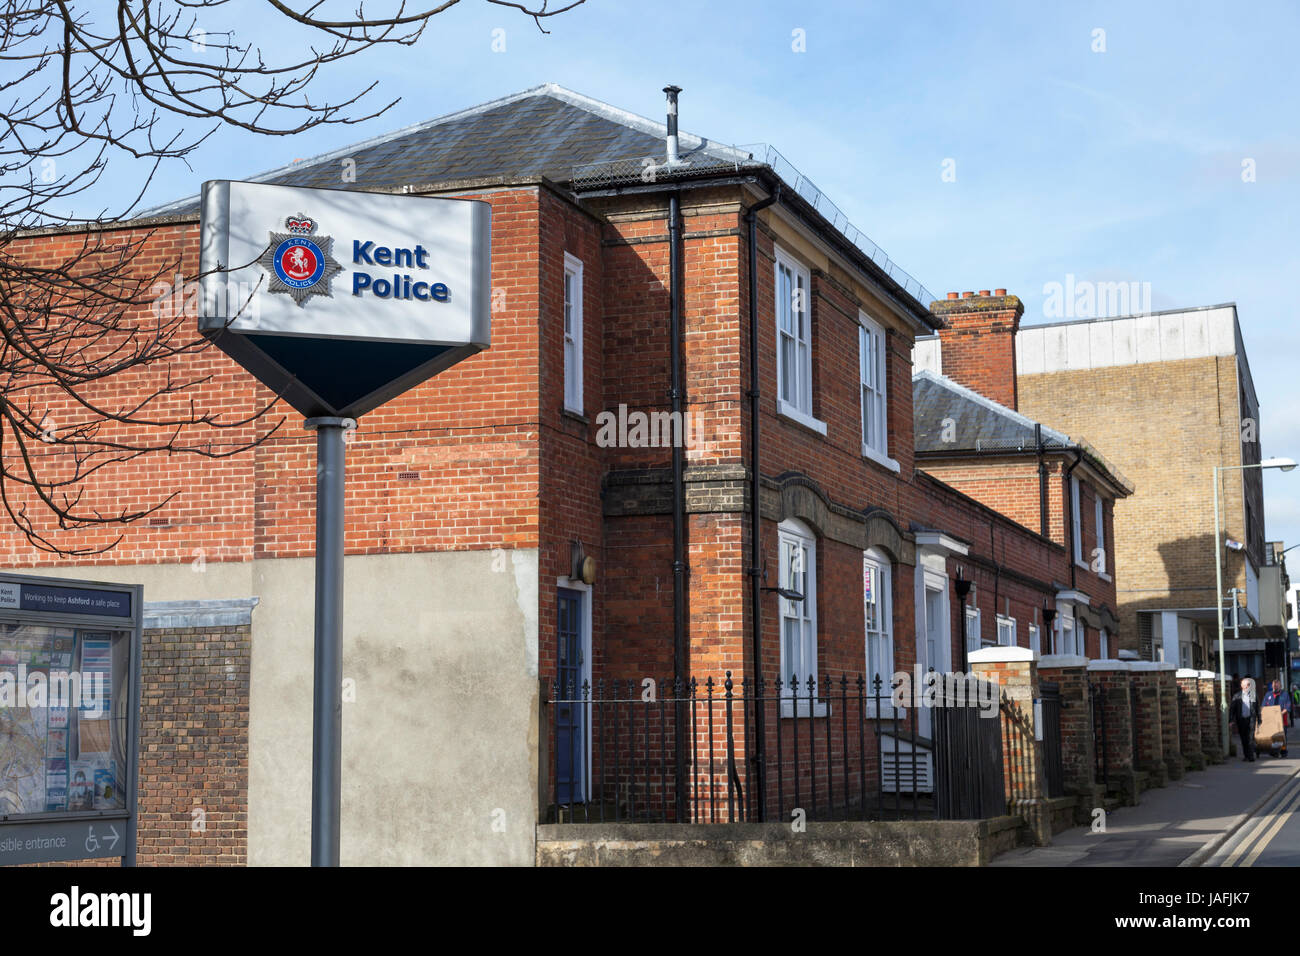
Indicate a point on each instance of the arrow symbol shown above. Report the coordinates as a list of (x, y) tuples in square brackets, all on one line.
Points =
[(112, 843)]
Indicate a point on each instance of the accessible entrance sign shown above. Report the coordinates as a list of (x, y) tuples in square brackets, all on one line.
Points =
[(339, 301), (69, 719)]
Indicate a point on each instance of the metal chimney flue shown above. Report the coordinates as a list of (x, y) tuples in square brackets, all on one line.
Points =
[(672, 91)]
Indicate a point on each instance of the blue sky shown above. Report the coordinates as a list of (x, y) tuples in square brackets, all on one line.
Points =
[(1117, 165)]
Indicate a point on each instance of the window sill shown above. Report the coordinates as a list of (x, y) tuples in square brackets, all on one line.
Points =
[(799, 418), (882, 460), (1107, 578), (575, 415)]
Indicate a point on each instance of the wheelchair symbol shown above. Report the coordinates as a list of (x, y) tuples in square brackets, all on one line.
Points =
[(92, 841)]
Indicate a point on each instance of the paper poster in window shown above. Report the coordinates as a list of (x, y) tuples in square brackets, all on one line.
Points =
[(106, 789), (56, 784), (81, 785), (96, 675)]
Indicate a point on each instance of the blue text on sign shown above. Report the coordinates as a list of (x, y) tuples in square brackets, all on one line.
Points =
[(400, 286)]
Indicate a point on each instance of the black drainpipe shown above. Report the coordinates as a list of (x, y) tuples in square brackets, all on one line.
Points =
[(997, 578), (758, 789), (1044, 528), (1069, 497), (679, 490)]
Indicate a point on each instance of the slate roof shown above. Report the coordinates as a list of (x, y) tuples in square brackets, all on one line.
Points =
[(543, 132), (982, 425), (549, 132)]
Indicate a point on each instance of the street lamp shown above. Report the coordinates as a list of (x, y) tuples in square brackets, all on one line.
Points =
[(1283, 464)]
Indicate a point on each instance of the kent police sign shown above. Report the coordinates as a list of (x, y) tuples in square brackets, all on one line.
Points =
[(340, 300)]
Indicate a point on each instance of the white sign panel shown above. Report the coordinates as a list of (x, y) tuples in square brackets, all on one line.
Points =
[(341, 264)]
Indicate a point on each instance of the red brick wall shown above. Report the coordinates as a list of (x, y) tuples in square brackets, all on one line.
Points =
[(994, 540), (470, 436)]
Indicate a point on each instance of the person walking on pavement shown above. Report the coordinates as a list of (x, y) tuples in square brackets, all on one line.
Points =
[(1277, 697), (1245, 711)]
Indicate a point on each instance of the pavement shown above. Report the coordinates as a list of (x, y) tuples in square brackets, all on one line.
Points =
[(1190, 822)]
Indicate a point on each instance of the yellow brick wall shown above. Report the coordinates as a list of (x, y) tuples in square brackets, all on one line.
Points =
[(1164, 425)]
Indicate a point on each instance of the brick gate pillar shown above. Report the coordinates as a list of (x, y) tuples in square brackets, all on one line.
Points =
[(1120, 775), (1015, 671), (1189, 718), (1150, 755), (1078, 747), (1211, 722), (1170, 734)]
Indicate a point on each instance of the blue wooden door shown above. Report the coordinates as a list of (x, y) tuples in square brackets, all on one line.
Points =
[(570, 722)]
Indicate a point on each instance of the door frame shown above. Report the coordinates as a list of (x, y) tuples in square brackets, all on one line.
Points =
[(930, 578), (932, 575), (569, 584)]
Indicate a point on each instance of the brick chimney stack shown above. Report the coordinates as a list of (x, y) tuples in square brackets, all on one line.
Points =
[(978, 347)]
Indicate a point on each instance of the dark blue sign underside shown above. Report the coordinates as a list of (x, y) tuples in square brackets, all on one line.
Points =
[(343, 371)]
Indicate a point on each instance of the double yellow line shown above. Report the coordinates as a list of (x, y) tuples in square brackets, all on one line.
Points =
[(1263, 832)]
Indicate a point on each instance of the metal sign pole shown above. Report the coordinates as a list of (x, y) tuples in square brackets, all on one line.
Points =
[(327, 702)]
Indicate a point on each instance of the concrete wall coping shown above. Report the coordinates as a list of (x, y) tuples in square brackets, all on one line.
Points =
[(1143, 665), (1110, 665), (215, 612), (1208, 675), (1167, 666), (1189, 672), (995, 655), (1062, 660)]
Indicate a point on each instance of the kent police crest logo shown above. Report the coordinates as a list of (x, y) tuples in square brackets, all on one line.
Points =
[(300, 264)]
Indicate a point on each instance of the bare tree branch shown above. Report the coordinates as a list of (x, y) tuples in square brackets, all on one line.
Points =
[(100, 370)]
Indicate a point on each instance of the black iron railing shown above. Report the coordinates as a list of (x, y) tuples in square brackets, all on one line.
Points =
[(836, 749), (1101, 762), (1053, 766), (1133, 719), (1018, 745)]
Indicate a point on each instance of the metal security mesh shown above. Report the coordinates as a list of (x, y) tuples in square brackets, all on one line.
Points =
[(649, 169), (1020, 443)]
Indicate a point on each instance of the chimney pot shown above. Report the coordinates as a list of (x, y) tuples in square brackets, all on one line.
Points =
[(984, 292), (967, 295), (999, 291), (952, 295)]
